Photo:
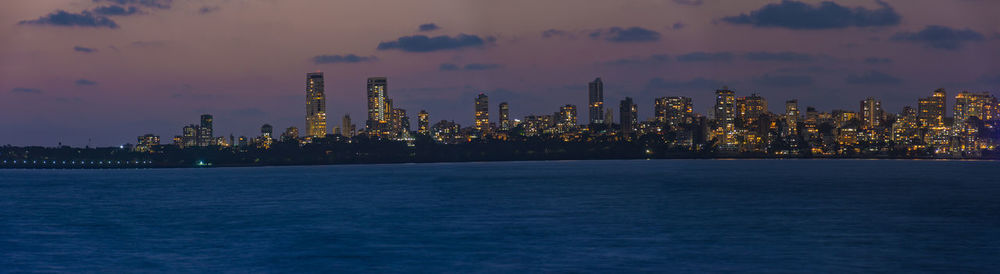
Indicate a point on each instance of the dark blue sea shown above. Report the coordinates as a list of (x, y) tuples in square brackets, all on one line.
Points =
[(563, 216)]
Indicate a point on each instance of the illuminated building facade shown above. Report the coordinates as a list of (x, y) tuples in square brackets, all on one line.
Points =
[(906, 129), (749, 109), (931, 110), (566, 117), (190, 136), (315, 105), (791, 118), (400, 122), (674, 110), (447, 132), (595, 92), (379, 109), (265, 139), (725, 104), (205, 134), (504, 116), (725, 119), (482, 113), (871, 113), (147, 143), (423, 122), (971, 104)]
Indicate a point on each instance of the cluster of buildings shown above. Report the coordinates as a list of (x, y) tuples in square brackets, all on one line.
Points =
[(742, 124), (736, 125)]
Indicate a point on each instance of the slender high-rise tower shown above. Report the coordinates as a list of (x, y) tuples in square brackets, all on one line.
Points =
[(871, 113), (504, 116), (596, 95), (423, 122), (379, 112), (205, 133), (725, 107), (315, 105), (629, 115), (482, 118), (792, 118)]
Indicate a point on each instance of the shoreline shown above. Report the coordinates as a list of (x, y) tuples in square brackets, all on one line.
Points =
[(8, 166)]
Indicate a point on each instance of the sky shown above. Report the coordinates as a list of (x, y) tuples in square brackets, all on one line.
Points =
[(101, 72)]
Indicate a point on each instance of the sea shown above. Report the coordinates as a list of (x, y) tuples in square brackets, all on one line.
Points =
[(617, 216)]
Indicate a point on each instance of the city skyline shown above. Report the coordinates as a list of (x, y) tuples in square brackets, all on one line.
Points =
[(730, 112), (76, 82)]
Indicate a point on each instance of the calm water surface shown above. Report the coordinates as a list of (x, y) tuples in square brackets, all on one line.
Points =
[(574, 216)]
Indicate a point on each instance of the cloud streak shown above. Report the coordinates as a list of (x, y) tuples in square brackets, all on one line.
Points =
[(706, 57), (423, 43), (551, 33), (939, 37), (469, 67), (784, 56), (428, 27), (84, 49), (209, 9), (689, 2), (116, 10), (655, 59), (85, 82), (626, 35), (337, 59), (67, 19), (160, 4), (827, 15)]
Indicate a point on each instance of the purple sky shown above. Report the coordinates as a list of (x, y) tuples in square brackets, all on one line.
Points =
[(110, 70)]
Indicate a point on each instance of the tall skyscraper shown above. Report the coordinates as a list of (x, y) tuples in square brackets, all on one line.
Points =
[(315, 105), (871, 113), (596, 96), (725, 103), (674, 110), (482, 113), (504, 116), (792, 118), (725, 117), (931, 110), (205, 134), (379, 111), (629, 116), (423, 122)]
